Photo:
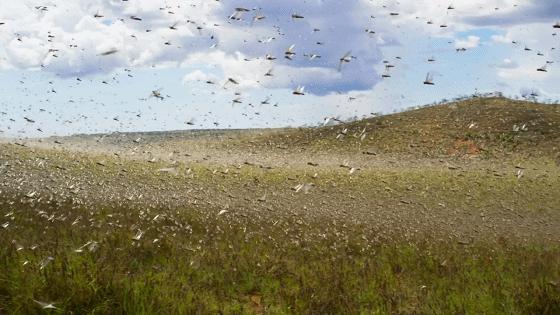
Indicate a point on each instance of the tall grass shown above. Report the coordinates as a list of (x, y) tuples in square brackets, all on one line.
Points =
[(187, 261)]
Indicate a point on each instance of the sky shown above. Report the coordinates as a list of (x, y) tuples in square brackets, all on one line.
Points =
[(97, 66)]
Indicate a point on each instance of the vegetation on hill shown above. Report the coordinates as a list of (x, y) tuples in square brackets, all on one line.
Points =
[(476, 126), (113, 229)]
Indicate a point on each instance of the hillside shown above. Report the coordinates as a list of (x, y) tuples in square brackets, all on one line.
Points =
[(478, 126), (290, 221)]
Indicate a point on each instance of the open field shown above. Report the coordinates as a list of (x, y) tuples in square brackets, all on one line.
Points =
[(453, 209)]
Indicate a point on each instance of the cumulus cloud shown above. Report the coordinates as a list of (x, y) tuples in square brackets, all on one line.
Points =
[(468, 43), (200, 76), (68, 38), (501, 39), (542, 11), (523, 73)]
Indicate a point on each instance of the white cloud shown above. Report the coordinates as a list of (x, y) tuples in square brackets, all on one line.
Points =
[(468, 43), (525, 73), (79, 38), (508, 64), (502, 39), (66, 39), (70, 28), (28, 53), (199, 76)]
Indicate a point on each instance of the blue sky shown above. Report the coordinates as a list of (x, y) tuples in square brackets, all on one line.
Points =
[(53, 71)]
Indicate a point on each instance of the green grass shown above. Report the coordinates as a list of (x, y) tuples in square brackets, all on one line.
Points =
[(405, 238), (204, 263), (434, 131)]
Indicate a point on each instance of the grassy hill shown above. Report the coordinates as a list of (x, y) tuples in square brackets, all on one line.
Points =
[(478, 126), (268, 222)]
